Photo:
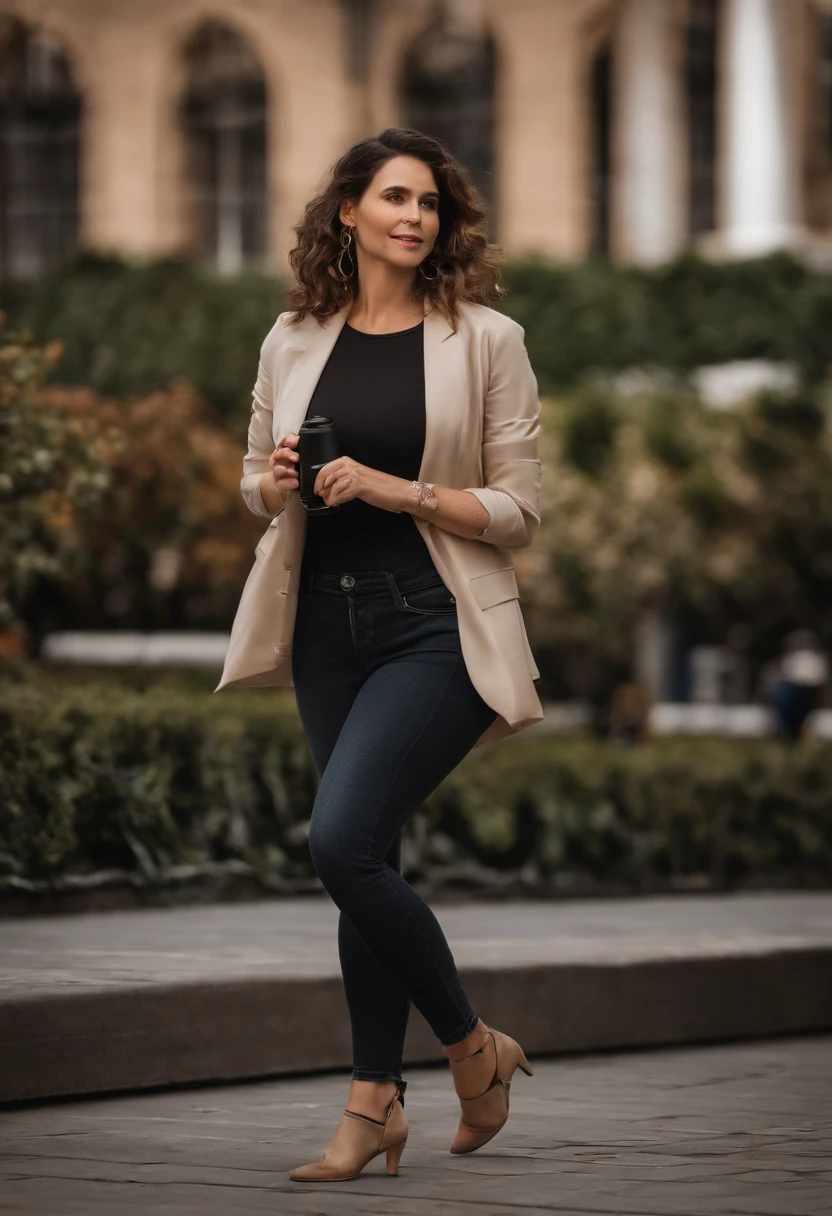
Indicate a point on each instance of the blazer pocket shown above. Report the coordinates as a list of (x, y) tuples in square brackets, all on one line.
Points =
[(494, 587)]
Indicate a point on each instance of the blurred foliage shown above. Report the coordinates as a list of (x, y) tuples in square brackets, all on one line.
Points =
[(115, 511), (688, 312), (143, 776), (660, 500), (130, 327), (56, 468), (173, 540), (146, 777)]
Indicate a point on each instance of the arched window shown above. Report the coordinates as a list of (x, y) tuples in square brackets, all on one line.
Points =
[(224, 118), (449, 85), (701, 74), (40, 118), (601, 139)]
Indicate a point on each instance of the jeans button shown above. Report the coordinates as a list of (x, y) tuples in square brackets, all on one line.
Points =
[(347, 581)]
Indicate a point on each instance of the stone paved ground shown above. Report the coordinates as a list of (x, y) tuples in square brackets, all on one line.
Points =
[(726, 1130)]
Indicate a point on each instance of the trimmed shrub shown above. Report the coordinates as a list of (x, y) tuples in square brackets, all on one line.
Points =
[(155, 778)]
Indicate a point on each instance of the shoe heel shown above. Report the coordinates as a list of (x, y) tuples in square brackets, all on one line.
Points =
[(524, 1064), (394, 1156)]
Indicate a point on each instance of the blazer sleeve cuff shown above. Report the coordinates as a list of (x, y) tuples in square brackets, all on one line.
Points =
[(507, 526), (253, 495)]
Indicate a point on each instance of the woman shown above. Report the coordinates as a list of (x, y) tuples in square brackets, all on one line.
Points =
[(395, 616)]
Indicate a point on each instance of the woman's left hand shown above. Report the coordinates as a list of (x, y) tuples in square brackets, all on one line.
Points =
[(343, 479)]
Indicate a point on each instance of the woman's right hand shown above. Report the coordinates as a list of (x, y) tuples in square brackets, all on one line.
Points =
[(283, 475), (283, 463)]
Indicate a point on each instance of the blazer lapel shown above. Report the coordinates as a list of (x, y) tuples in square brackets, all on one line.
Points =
[(308, 349), (446, 399)]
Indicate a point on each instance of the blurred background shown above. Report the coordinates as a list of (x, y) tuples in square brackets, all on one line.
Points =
[(659, 173)]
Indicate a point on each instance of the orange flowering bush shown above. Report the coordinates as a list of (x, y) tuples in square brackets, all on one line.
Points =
[(174, 540), (115, 512), (55, 471)]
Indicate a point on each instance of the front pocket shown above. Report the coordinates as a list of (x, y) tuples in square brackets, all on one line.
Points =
[(494, 587), (435, 600)]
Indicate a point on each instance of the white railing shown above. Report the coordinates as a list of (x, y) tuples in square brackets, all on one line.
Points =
[(120, 648)]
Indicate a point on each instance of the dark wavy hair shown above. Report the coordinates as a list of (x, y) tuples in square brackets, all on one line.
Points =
[(468, 266)]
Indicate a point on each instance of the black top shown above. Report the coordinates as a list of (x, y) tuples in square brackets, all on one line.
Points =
[(373, 388)]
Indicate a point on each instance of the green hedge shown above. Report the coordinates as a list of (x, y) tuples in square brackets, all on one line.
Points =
[(680, 315), (130, 327), (142, 784)]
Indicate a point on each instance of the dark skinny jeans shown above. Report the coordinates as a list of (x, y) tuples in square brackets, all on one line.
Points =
[(388, 710)]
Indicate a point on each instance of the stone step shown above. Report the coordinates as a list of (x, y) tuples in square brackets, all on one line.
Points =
[(121, 1001)]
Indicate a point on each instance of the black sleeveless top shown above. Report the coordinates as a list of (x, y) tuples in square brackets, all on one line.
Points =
[(373, 388)]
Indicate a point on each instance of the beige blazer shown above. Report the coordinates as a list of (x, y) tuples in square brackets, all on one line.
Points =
[(481, 429)]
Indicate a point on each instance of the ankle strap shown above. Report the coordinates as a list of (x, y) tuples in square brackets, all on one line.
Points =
[(356, 1115), (480, 1051), (401, 1086)]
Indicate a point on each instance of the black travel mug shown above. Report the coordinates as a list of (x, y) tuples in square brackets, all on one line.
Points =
[(317, 445)]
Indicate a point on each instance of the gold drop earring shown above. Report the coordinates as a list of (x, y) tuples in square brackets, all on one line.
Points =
[(346, 242)]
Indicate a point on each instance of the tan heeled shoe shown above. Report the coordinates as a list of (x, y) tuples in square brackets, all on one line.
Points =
[(358, 1139), (485, 1102)]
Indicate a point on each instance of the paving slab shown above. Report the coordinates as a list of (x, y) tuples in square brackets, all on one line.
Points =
[(741, 1129), (115, 1001)]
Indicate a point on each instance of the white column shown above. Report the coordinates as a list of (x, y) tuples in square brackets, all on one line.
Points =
[(761, 197), (648, 183), (655, 643)]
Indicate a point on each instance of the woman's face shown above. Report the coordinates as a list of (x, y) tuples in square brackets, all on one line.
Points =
[(402, 200)]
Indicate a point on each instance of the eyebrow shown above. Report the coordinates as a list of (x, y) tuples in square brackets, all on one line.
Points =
[(406, 190)]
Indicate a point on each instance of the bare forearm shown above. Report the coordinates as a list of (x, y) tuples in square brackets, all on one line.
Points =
[(456, 511)]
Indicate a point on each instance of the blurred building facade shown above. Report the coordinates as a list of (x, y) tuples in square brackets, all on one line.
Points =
[(629, 128)]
